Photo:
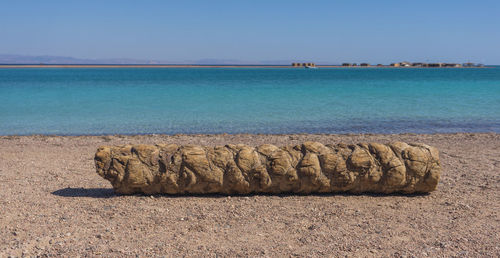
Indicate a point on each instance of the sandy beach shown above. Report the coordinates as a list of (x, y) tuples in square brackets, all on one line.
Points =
[(53, 203)]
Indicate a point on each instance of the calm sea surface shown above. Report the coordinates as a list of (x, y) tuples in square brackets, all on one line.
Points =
[(92, 101)]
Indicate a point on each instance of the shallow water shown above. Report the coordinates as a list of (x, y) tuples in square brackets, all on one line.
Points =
[(75, 101)]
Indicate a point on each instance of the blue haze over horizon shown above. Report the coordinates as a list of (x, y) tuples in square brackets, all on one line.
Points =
[(254, 31)]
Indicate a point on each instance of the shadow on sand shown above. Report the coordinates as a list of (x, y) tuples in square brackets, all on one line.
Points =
[(109, 193), (85, 192)]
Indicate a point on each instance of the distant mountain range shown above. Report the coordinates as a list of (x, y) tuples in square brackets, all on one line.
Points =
[(46, 59), (23, 59)]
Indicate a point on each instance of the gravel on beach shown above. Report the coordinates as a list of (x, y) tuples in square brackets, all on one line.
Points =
[(52, 203)]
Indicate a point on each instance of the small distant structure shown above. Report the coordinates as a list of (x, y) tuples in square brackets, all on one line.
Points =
[(364, 64), (349, 64), (435, 65), (405, 64), (451, 65), (472, 65), (419, 64), (395, 64), (303, 65)]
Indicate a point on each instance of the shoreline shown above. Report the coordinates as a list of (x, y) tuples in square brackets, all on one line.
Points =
[(55, 204), (207, 66), (10, 136)]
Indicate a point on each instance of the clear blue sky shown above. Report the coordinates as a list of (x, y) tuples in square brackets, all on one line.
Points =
[(254, 30)]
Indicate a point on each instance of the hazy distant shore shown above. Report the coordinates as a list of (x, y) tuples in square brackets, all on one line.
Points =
[(193, 66)]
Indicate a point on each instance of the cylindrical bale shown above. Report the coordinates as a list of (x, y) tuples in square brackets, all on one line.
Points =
[(310, 167)]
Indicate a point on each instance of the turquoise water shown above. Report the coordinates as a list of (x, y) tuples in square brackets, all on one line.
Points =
[(97, 101)]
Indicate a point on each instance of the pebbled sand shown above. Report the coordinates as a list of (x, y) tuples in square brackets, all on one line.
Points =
[(53, 203)]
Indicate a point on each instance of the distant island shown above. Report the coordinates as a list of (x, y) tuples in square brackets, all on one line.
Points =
[(408, 64), (24, 61), (20, 61), (400, 64), (294, 65)]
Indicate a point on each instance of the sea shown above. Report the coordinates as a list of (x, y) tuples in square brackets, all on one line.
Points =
[(108, 101)]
